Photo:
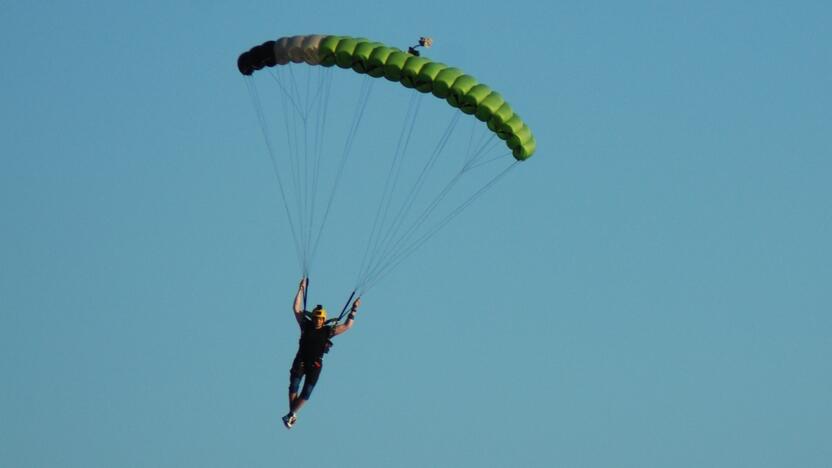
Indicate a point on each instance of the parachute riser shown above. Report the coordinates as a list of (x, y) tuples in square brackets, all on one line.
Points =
[(344, 310), (305, 293)]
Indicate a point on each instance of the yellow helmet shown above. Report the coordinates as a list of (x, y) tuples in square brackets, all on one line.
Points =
[(319, 311)]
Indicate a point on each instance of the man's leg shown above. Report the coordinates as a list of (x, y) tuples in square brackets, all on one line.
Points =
[(294, 384), (297, 404), (295, 375), (312, 374)]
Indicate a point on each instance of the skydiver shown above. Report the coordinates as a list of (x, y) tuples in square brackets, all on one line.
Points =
[(314, 342)]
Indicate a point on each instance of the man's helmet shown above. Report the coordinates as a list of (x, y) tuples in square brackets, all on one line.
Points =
[(319, 311)]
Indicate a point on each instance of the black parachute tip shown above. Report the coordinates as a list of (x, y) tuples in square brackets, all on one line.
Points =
[(244, 64), (256, 58)]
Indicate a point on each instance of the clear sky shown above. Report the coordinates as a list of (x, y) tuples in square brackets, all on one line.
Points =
[(651, 289)]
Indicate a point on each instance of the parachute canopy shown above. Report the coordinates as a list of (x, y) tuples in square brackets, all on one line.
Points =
[(434, 171), (375, 59)]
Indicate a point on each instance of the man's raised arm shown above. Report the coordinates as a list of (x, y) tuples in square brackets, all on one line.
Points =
[(350, 319), (298, 306)]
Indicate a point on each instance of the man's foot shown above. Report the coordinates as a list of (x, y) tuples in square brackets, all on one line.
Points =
[(289, 420)]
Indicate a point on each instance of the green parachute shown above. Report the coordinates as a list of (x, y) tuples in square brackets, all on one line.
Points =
[(431, 178), (375, 59)]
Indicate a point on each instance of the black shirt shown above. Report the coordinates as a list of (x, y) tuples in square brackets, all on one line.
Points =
[(314, 342)]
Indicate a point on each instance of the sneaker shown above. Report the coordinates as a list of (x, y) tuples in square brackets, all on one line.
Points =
[(289, 420)]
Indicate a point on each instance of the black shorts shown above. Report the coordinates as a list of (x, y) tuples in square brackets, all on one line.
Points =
[(306, 367)]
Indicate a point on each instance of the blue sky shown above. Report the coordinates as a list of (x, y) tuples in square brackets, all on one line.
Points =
[(650, 289)]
